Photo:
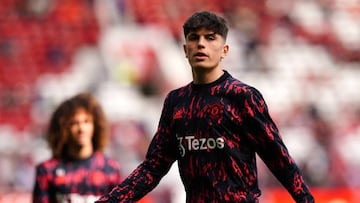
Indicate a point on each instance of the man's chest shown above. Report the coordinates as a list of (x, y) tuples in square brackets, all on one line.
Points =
[(203, 114), (79, 179)]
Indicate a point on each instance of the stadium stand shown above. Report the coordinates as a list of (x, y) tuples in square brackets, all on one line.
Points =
[(303, 55)]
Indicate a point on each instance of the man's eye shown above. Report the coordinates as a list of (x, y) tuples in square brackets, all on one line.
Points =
[(192, 37), (210, 37)]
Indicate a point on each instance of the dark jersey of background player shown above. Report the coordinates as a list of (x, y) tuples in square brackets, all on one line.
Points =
[(78, 171), (213, 127)]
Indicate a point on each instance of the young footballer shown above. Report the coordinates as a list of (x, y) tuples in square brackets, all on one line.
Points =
[(213, 127), (78, 170)]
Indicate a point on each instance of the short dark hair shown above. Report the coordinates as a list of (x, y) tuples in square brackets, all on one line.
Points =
[(208, 20)]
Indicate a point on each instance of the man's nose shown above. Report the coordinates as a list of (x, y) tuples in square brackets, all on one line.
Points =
[(201, 43), (81, 126)]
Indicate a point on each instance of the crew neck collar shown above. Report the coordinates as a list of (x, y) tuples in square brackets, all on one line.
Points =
[(217, 81)]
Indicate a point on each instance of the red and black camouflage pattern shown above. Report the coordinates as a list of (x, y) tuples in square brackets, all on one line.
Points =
[(75, 180), (214, 132)]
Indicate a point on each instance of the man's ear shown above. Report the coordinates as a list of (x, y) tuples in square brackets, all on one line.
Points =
[(185, 51), (225, 50)]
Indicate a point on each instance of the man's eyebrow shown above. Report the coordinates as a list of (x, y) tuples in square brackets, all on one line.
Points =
[(211, 34), (206, 34)]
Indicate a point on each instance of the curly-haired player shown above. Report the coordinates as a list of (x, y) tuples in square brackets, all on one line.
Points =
[(78, 170)]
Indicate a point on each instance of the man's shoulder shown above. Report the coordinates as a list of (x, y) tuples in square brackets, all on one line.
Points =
[(48, 164), (179, 91), (103, 158), (100, 156), (237, 84)]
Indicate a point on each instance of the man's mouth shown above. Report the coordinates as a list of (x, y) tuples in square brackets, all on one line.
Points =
[(200, 56)]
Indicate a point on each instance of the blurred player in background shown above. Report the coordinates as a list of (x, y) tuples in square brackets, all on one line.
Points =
[(78, 170), (213, 127)]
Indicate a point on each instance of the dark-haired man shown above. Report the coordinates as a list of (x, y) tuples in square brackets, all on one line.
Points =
[(213, 127)]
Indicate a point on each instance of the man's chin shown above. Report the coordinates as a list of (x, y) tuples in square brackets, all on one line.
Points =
[(83, 144), (202, 68)]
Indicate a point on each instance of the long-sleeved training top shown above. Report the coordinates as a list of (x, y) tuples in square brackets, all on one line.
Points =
[(214, 131), (66, 181)]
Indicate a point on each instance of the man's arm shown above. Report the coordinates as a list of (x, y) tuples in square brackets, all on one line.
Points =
[(264, 135), (40, 192), (159, 158)]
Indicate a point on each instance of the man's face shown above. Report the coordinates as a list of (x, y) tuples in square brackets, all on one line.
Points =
[(81, 128), (205, 49)]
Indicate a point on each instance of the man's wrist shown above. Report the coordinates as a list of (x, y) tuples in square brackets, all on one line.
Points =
[(108, 199)]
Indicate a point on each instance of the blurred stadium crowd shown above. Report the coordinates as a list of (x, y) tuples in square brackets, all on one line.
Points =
[(303, 55)]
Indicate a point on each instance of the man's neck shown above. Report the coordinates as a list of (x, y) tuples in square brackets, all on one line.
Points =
[(81, 152), (203, 76)]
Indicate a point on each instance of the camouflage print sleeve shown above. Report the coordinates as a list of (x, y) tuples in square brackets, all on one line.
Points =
[(264, 135), (41, 187), (160, 156)]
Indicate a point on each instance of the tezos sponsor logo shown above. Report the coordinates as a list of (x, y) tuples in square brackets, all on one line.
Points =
[(190, 143)]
